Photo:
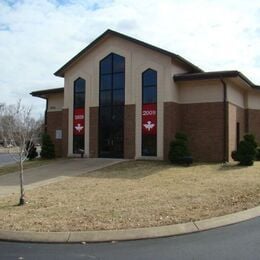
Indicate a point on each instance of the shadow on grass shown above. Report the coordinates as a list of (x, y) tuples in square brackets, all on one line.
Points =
[(135, 169), (232, 167), (8, 206), (131, 170)]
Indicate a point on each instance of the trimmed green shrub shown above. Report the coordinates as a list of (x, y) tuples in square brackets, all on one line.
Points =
[(250, 139), (246, 152), (48, 151), (258, 153), (179, 150), (31, 149)]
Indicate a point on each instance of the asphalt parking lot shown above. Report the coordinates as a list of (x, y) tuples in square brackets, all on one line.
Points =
[(6, 158)]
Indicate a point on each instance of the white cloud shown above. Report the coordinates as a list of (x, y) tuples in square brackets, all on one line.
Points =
[(38, 37)]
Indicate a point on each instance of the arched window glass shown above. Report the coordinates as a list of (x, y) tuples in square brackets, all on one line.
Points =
[(111, 105), (79, 93), (149, 86)]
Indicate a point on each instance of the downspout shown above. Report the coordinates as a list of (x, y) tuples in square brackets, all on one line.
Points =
[(45, 116), (225, 128), (246, 113)]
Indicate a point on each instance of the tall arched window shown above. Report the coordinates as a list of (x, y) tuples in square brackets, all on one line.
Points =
[(111, 106), (149, 113), (79, 115)]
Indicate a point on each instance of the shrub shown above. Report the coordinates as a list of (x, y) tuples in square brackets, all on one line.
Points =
[(250, 139), (48, 151), (31, 149), (246, 152), (179, 152), (258, 153), (234, 156)]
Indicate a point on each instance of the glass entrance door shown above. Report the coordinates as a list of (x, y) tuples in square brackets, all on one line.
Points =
[(111, 133)]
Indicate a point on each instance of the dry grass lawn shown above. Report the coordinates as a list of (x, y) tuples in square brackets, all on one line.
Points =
[(135, 194)]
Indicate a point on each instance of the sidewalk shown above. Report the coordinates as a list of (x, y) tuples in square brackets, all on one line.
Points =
[(53, 172)]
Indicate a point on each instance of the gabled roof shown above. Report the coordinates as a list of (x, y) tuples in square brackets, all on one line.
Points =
[(214, 75), (60, 72), (45, 92)]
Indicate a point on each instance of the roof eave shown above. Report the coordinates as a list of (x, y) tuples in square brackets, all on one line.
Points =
[(43, 93), (214, 75)]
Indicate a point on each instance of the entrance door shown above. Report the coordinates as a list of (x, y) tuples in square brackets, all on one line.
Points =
[(111, 131)]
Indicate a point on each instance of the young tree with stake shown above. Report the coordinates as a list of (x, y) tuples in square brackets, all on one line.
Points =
[(18, 128)]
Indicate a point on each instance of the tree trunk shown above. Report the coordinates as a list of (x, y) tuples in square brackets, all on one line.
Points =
[(22, 195)]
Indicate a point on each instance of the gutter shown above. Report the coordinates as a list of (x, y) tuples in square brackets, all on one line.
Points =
[(45, 116), (225, 128)]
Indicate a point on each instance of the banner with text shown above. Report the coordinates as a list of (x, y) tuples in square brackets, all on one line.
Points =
[(79, 121), (149, 119)]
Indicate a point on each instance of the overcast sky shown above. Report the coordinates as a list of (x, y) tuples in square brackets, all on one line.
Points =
[(38, 36)]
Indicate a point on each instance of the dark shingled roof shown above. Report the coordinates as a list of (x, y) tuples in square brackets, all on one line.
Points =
[(60, 72), (214, 75)]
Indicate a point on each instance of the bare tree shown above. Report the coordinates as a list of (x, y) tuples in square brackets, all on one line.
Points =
[(1, 107), (18, 128)]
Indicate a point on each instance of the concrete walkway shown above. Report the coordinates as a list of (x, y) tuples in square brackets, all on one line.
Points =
[(53, 172)]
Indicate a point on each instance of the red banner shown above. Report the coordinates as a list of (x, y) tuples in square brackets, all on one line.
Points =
[(79, 121), (149, 119)]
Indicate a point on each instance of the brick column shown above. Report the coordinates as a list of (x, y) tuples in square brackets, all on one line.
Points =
[(129, 132), (93, 132), (65, 125), (54, 120)]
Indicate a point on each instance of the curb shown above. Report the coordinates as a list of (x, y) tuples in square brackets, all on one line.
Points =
[(130, 234)]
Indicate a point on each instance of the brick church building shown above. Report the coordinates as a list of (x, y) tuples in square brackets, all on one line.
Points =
[(124, 98)]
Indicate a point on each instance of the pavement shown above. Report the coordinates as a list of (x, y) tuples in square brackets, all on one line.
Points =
[(56, 171), (6, 158), (239, 241), (66, 168)]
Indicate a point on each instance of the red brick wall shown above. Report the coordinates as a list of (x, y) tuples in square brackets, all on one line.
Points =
[(235, 115), (93, 132), (129, 132), (232, 119), (254, 123), (204, 125), (171, 124), (54, 122), (241, 118)]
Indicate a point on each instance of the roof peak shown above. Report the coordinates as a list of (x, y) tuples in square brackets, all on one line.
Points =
[(62, 70)]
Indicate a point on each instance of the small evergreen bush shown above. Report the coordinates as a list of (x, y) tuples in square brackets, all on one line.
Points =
[(246, 152), (31, 149), (258, 153), (250, 139), (179, 152), (48, 151)]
